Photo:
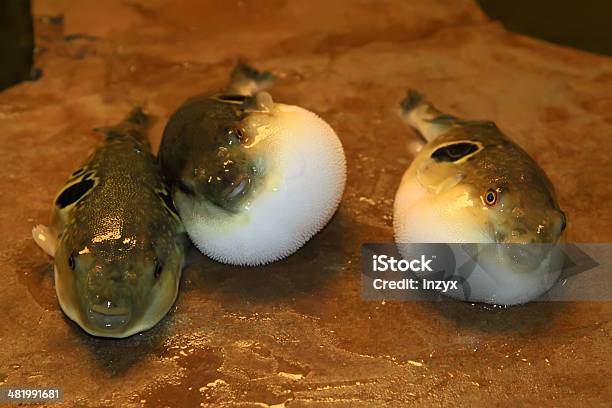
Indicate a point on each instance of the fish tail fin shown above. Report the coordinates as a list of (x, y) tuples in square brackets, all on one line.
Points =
[(135, 125), (422, 115), (246, 80)]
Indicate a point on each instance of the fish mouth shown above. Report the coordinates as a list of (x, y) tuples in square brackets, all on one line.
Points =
[(230, 198), (106, 318), (225, 191), (238, 187), (526, 256)]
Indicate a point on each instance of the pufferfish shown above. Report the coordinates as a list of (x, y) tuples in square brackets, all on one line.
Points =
[(470, 183), (116, 237), (253, 180)]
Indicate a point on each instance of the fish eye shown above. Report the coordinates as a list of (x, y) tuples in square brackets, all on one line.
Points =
[(185, 187), (158, 270), (71, 261), (240, 135), (490, 197)]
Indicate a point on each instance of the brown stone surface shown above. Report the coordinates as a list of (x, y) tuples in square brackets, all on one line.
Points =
[(297, 332)]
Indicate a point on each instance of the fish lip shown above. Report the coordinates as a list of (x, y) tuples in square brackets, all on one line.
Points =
[(109, 311), (237, 190), (108, 319), (527, 256), (229, 200)]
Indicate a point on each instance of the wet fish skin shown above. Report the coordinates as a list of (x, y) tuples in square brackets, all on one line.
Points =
[(202, 151), (470, 183), (526, 208), (252, 179), (117, 240)]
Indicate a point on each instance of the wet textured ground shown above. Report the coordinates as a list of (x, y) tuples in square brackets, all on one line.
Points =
[(297, 332)]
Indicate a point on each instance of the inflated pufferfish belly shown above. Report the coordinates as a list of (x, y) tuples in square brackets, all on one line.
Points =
[(471, 184), (253, 180)]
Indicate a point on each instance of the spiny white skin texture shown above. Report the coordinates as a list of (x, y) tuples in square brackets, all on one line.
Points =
[(305, 176), (425, 216)]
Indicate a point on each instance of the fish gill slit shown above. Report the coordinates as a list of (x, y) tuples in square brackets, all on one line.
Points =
[(457, 151)]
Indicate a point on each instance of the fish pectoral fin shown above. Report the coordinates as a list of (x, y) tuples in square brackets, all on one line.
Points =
[(438, 177), (45, 239), (260, 102)]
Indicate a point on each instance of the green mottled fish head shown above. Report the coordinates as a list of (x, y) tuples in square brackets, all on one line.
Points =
[(492, 190), (515, 215), (116, 285), (221, 166)]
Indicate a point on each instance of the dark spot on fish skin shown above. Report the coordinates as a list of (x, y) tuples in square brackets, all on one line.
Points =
[(454, 152), (75, 192)]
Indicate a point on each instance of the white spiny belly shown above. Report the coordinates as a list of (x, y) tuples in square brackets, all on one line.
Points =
[(305, 177)]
